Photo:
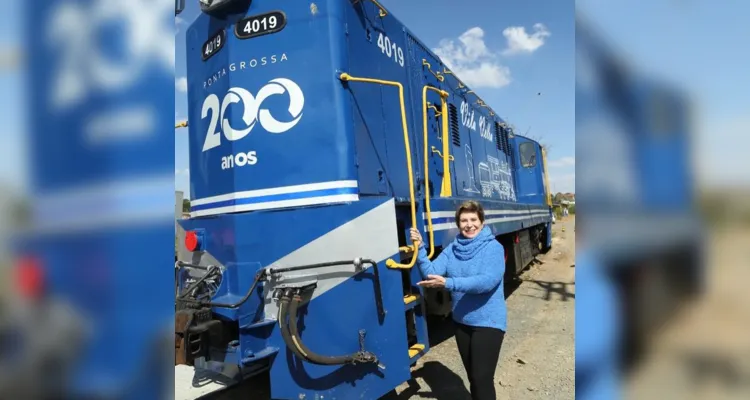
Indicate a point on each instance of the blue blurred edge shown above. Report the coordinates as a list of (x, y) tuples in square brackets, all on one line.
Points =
[(99, 322), (640, 233)]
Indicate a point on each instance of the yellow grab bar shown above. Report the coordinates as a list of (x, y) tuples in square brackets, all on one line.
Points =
[(443, 94), (390, 263), (446, 189), (437, 112), (440, 154), (429, 68), (382, 12), (182, 124)]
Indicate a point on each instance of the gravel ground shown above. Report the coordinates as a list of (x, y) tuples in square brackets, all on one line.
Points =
[(537, 360)]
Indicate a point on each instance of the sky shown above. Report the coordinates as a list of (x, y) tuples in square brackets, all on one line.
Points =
[(518, 56)]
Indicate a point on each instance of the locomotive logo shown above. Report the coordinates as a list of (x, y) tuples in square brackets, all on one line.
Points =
[(253, 113)]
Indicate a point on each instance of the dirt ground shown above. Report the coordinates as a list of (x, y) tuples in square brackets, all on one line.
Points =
[(537, 360), (704, 352)]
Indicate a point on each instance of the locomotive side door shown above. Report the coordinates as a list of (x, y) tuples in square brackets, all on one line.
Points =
[(530, 184)]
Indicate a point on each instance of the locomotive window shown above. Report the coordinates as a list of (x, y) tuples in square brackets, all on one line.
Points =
[(528, 155)]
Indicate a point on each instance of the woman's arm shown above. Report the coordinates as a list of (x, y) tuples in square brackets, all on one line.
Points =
[(492, 269), (438, 266)]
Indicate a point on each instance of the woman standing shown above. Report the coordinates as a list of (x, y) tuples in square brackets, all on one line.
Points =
[(472, 268)]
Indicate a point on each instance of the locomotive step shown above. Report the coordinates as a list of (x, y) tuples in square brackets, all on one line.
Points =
[(415, 350), (411, 301)]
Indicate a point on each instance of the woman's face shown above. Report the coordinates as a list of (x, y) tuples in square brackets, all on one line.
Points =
[(469, 224)]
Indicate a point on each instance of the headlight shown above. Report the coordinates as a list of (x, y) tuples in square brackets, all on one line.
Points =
[(213, 5)]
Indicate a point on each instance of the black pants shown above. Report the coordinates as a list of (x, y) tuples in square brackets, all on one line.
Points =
[(480, 350)]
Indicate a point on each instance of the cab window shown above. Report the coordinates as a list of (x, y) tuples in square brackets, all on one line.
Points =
[(528, 155)]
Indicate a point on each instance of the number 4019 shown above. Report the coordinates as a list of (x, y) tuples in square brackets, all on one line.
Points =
[(391, 49), (261, 25)]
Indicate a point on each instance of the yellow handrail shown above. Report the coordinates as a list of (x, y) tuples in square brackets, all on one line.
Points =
[(446, 190), (432, 106), (382, 12), (390, 263), (440, 154), (435, 74), (443, 94), (182, 124)]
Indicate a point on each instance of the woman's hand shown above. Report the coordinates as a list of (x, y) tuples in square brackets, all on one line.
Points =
[(416, 237), (434, 281)]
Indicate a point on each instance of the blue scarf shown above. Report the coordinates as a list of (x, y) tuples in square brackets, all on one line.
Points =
[(466, 248)]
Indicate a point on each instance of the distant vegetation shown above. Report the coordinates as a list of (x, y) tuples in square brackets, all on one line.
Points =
[(727, 207), (560, 197)]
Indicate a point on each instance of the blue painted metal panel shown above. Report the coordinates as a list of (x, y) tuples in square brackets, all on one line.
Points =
[(268, 112), (663, 152), (245, 241), (366, 99), (330, 322), (529, 171)]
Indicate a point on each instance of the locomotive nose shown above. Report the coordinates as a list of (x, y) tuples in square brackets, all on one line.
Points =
[(265, 132)]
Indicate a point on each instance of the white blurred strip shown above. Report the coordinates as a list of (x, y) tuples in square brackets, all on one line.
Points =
[(115, 204)]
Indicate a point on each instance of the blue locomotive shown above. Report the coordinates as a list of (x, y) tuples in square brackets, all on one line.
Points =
[(320, 133)]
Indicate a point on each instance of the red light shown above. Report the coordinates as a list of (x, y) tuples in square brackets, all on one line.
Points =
[(191, 241), (29, 277)]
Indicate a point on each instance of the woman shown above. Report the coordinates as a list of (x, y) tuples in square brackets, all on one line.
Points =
[(472, 268)]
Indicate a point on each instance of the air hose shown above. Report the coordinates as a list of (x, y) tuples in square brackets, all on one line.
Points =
[(283, 325), (289, 302), (292, 339), (260, 275)]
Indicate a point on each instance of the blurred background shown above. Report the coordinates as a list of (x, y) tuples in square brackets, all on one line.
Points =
[(86, 201), (663, 194)]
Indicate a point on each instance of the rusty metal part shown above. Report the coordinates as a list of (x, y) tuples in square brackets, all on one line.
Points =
[(182, 320), (190, 328)]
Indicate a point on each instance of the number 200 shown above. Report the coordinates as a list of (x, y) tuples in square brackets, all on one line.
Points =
[(391, 49)]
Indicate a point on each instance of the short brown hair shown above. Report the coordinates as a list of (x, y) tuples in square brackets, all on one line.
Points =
[(470, 206)]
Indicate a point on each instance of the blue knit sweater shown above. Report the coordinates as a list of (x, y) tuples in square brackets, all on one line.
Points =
[(474, 270)]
